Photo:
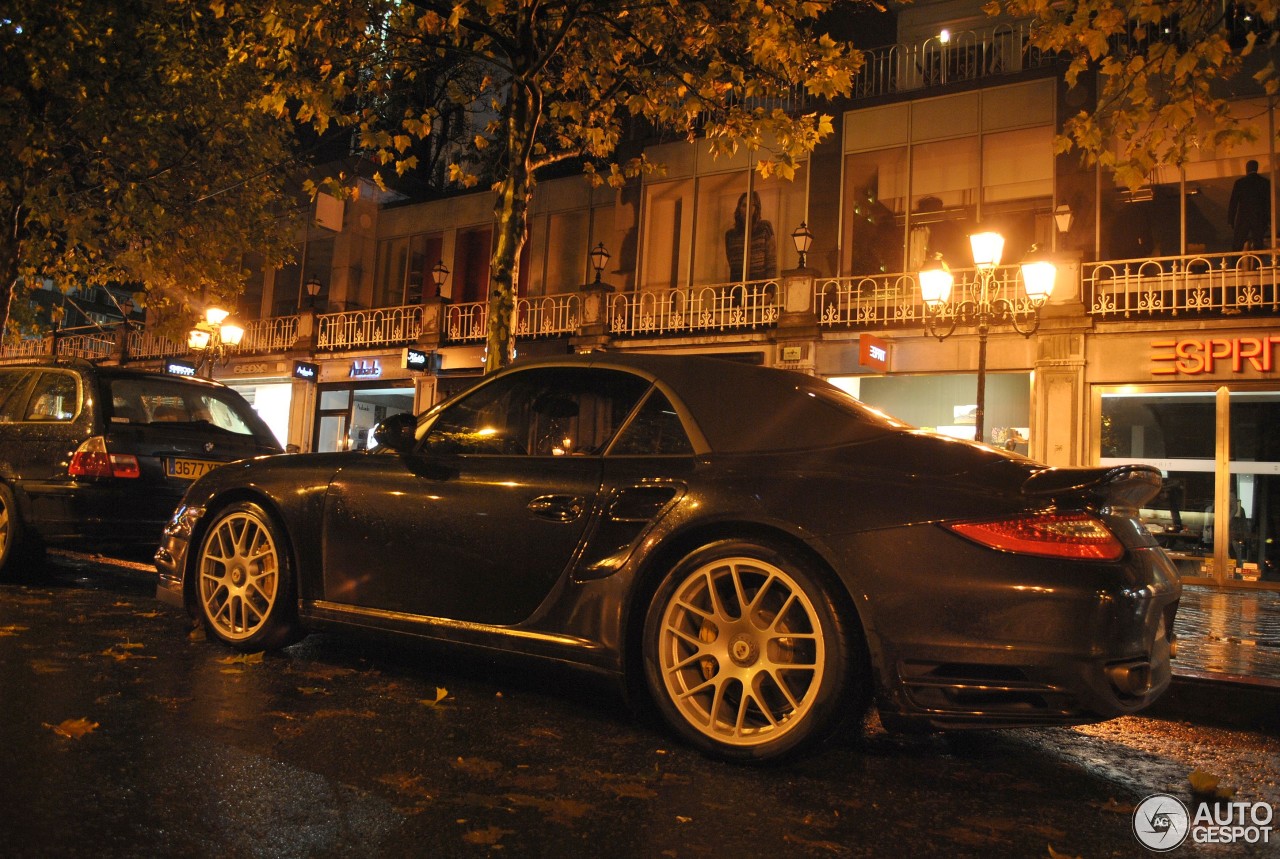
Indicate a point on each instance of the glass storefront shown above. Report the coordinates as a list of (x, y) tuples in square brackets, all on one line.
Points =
[(272, 401), (947, 403), (346, 414), (1219, 450)]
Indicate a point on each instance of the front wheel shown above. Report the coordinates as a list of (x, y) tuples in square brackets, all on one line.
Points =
[(747, 654), (243, 581), (20, 552)]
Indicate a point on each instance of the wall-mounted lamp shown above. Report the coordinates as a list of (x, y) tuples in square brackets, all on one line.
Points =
[(313, 289), (213, 338), (599, 259), (803, 240), (439, 274), (1063, 217)]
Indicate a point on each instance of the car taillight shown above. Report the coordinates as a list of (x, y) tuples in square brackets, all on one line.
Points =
[(1054, 535), (92, 459)]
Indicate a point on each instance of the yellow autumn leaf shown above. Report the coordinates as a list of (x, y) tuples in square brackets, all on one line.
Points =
[(73, 729), (242, 659), (441, 694), (1202, 782), (1055, 854)]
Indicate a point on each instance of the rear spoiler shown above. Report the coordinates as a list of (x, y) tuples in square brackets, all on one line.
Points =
[(1118, 486)]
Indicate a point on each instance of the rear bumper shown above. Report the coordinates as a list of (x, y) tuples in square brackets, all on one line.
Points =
[(1069, 653), (111, 512)]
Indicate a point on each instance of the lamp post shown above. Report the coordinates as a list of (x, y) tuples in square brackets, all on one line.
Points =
[(213, 338), (599, 259), (943, 314), (803, 240)]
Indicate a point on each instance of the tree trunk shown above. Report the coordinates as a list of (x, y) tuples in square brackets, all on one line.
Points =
[(511, 212), (9, 250)]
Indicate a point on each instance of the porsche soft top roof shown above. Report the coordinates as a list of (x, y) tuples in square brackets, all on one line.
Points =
[(742, 407)]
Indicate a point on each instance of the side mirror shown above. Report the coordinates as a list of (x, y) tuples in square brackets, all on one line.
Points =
[(396, 432)]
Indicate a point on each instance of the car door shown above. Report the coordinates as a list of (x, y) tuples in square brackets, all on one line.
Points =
[(44, 423), (482, 520)]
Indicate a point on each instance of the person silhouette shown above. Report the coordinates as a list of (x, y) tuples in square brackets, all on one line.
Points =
[(1249, 211), (763, 261)]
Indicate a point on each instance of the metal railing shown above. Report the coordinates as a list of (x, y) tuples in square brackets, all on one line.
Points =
[(692, 309), (360, 329), (539, 316), (1227, 283), (968, 55)]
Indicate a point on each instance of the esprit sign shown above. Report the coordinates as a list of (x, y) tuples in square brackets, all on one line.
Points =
[(1201, 356)]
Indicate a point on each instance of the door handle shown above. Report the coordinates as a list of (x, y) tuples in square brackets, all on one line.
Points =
[(557, 508)]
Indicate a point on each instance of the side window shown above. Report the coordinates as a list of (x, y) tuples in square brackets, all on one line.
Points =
[(544, 411), (13, 385), (655, 431), (56, 397)]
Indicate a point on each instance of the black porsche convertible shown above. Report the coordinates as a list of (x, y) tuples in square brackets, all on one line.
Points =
[(755, 551)]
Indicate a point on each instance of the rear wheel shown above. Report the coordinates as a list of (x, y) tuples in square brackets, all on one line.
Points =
[(747, 654), (244, 583)]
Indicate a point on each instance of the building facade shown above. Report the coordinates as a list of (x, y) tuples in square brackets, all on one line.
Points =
[(1159, 344)]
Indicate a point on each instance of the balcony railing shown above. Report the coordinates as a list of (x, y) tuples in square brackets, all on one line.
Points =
[(695, 309), (539, 316), (965, 56), (1226, 284), (1223, 285), (361, 329)]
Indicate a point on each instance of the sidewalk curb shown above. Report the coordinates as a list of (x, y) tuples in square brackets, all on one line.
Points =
[(1221, 700)]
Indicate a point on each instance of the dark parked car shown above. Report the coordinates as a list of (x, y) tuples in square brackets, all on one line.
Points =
[(99, 456), (755, 550)]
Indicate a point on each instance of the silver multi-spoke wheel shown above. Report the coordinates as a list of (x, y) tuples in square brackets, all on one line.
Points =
[(746, 652), (241, 578)]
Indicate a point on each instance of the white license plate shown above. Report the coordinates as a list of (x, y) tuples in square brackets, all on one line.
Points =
[(189, 469)]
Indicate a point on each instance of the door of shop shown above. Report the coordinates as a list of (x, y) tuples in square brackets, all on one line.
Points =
[(347, 414), (1219, 451)]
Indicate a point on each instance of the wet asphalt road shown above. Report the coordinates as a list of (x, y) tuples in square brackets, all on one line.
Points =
[(122, 733)]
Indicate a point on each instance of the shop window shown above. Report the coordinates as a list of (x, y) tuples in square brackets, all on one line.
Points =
[(874, 200), (1177, 432)]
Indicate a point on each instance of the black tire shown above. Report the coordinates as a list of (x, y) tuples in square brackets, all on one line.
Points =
[(21, 554), (755, 685), (244, 582)]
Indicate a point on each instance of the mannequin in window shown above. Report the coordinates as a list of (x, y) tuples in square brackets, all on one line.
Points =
[(762, 263)]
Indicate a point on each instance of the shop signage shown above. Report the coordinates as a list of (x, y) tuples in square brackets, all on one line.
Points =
[(365, 369), (1197, 356), (420, 359), (873, 352), (179, 367), (258, 369), (306, 371)]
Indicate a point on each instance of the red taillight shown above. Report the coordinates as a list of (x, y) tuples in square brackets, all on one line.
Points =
[(92, 459), (1053, 535)]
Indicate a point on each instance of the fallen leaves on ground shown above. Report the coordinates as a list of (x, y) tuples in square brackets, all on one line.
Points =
[(1057, 854), (489, 836), (73, 729), (124, 650), (12, 629)]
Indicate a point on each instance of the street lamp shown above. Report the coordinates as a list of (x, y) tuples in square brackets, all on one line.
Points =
[(803, 240), (213, 338), (599, 258), (943, 314)]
